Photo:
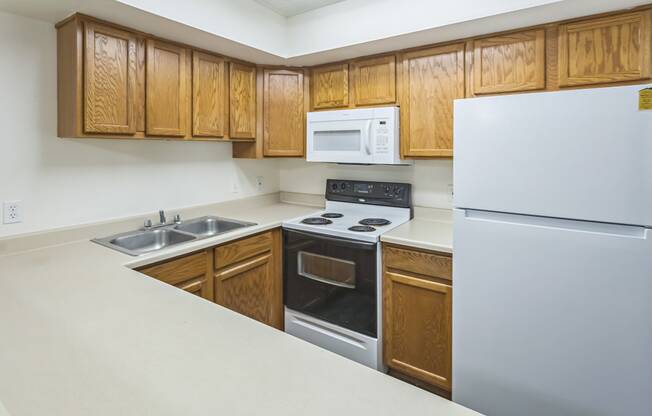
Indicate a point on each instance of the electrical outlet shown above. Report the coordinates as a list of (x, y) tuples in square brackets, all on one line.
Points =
[(450, 192), (235, 187), (12, 212), (260, 181)]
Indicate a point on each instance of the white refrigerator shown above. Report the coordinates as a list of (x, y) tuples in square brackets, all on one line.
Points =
[(552, 265)]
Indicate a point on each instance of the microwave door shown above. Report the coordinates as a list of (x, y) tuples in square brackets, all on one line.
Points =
[(340, 141)]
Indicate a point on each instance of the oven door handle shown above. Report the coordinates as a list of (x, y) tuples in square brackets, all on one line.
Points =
[(342, 241), (327, 281)]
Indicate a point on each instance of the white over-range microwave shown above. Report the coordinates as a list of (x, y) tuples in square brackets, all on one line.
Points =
[(361, 136)]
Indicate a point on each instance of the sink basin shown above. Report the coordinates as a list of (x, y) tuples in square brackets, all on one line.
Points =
[(144, 241), (210, 226), (140, 242)]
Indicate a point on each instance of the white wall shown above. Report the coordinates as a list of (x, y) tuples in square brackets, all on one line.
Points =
[(431, 179), (64, 182)]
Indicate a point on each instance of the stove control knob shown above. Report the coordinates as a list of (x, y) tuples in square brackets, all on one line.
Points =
[(343, 185), (334, 186)]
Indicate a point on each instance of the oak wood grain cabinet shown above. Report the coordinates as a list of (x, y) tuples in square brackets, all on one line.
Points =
[(431, 80), (509, 63), (192, 273), (109, 80), (605, 50), (100, 80), (284, 113), (242, 100), (167, 89), (330, 86), (210, 96), (248, 277), (374, 80), (417, 314)]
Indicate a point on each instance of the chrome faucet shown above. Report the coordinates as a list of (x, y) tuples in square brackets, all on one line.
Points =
[(162, 221)]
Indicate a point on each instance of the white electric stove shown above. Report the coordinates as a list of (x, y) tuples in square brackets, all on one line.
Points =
[(332, 267)]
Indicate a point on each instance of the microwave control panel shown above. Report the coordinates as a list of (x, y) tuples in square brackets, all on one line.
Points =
[(381, 136), (373, 193)]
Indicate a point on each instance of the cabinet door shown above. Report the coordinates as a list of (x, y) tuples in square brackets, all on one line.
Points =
[(209, 95), (109, 80), (609, 49), (374, 80), (330, 86), (431, 79), (192, 273), (167, 89), (248, 278), (242, 101), (418, 328), (508, 63), (284, 113)]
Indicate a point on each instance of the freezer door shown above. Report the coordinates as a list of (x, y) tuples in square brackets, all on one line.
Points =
[(551, 317), (582, 154)]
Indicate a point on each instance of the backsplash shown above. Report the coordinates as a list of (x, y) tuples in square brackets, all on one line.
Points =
[(431, 179)]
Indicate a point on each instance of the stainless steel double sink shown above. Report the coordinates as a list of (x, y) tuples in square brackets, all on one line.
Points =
[(147, 240)]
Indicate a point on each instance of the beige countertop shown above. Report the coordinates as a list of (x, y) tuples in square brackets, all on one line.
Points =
[(430, 229), (83, 334)]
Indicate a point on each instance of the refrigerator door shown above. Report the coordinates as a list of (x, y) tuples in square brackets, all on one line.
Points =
[(582, 154), (551, 316)]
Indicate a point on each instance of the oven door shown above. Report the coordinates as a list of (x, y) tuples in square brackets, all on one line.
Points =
[(332, 279), (341, 141)]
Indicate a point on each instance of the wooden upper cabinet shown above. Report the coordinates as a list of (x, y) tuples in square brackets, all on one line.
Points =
[(374, 80), (210, 99), (509, 63), (109, 80), (167, 89), (284, 113), (242, 101), (330, 86), (431, 79), (192, 273), (605, 50), (418, 328)]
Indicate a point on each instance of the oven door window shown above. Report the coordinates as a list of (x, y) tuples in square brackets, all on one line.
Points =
[(326, 269), (332, 279)]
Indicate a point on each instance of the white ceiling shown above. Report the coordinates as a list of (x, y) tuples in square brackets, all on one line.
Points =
[(290, 8)]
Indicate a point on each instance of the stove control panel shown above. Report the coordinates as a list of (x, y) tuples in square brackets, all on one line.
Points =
[(374, 193)]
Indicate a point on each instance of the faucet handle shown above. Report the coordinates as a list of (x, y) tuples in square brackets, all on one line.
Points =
[(177, 218), (147, 224), (161, 215)]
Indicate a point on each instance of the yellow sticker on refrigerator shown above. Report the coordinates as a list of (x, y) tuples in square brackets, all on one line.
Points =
[(645, 99)]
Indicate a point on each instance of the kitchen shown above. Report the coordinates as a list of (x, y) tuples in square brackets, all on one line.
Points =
[(204, 203)]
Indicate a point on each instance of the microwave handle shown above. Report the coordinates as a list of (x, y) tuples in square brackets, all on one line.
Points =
[(367, 143)]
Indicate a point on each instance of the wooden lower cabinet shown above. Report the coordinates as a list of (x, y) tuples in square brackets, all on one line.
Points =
[(245, 276), (248, 277), (192, 273), (417, 314)]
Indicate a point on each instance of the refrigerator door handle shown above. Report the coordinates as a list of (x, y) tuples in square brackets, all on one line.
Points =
[(615, 230)]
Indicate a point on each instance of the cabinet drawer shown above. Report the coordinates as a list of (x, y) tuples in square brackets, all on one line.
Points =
[(242, 249), (420, 262), (179, 270)]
